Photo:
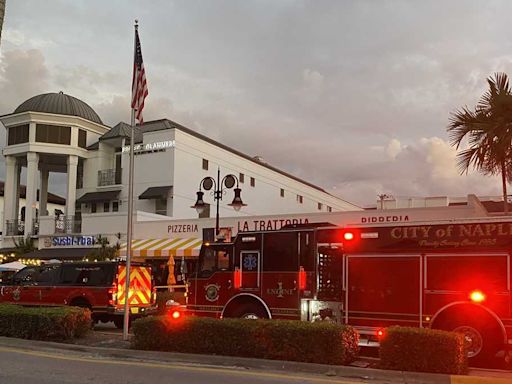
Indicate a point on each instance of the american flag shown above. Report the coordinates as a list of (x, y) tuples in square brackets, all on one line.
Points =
[(139, 85)]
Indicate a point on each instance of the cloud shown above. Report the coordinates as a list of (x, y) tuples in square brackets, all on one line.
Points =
[(23, 74), (352, 96)]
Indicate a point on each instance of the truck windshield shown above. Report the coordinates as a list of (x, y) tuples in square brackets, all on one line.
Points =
[(214, 259)]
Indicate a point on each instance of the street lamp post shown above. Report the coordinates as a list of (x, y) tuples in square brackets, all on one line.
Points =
[(219, 187)]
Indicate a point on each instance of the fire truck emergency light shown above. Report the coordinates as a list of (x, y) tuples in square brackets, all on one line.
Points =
[(477, 296), (176, 315), (348, 236)]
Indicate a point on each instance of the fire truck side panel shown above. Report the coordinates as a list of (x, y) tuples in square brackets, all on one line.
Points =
[(280, 280), (453, 277), (383, 290)]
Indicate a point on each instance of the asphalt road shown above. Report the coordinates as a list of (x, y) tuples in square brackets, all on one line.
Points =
[(19, 366)]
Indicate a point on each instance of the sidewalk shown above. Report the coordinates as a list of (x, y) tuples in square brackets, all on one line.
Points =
[(115, 348)]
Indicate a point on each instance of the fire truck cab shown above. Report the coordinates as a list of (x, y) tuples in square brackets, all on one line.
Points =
[(451, 276)]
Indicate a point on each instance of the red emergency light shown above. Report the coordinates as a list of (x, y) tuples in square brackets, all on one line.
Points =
[(477, 296), (302, 278), (176, 314), (348, 236), (237, 277)]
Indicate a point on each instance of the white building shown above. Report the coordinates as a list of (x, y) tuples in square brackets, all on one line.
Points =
[(55, 132)]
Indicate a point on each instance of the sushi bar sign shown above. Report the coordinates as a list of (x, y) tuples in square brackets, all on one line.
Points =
[(76, 241)]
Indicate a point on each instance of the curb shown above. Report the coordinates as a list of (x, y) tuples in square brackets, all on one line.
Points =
[(349, 372)]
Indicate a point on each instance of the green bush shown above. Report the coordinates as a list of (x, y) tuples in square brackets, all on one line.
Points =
[(320, 342), (43, 323), (423, 350)]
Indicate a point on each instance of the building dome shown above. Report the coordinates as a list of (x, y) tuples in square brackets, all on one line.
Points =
[(60, 104)]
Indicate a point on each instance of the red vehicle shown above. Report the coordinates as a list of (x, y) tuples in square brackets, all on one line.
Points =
[(97, 286), (452, 276)]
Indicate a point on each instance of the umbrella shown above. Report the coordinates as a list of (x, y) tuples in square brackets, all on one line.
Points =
[(14, 266)]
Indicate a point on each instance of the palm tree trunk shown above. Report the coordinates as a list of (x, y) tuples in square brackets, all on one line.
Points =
[(504, 185), (2, 13)]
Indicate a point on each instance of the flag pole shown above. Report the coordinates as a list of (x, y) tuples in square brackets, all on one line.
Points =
[(126, 323)]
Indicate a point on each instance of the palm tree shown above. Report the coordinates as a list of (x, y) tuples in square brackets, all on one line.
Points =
[(488, 131), (2, 13)]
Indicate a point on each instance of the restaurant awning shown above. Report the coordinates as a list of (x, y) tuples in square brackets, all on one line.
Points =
[(154, 248), (156, 193), (99, 196)]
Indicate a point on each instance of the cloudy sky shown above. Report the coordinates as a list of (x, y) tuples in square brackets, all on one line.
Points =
[(353, 96)]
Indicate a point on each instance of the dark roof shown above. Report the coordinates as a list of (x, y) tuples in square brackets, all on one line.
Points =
[(58, 254), (491, 206), (60, 104), (159, 125), (155, 192), (99, 196), (496, 206), (123, 130), (54, 199)]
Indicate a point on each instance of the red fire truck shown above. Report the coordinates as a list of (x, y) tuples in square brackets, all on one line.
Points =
[(97, 286), (452, 276)]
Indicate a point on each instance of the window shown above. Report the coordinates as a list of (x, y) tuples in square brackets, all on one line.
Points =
[(282, 192), (161, 206), (82, 138), (319, 206), (18, 134), (106, 206), (215, 259), (280, 252), (329, 209), (55, 134), (93, 207), (205, 164), (88, 275), (115, 206), (26, 275), (241, 177), (48, 275), (300, 199), (253, 182)]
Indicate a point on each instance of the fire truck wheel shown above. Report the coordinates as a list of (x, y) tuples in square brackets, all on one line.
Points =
[(250, 311), (482, 339)]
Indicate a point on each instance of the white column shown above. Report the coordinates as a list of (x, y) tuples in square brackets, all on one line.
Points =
[(43, 192), (17, 191), (32, 132), (9, 193), (31, 198), (71, 189)]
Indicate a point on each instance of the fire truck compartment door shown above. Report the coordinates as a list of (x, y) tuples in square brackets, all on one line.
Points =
[(383, 290), (452, 277), (250, 264)]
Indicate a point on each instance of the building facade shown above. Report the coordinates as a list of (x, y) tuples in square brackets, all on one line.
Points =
[(56, 132)]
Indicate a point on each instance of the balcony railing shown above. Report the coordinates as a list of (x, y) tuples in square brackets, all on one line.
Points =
[(109, 177), (68, 224), (14, 228)]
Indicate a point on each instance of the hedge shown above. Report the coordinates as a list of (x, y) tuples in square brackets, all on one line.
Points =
[(44, 323), (423, 350), (320, 342)]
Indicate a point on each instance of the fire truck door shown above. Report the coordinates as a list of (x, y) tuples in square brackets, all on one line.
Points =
[(250, 267), (452, 277), (383, 290)]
